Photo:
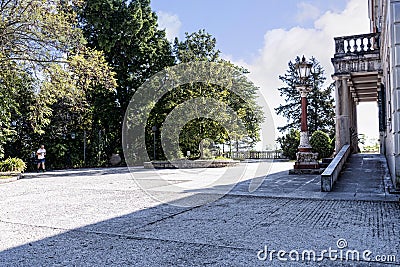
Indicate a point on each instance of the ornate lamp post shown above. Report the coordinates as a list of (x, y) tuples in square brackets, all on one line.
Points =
[(306, 159)]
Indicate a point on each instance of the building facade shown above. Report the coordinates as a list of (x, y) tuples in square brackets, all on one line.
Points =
[(367, 68), (385, 20)]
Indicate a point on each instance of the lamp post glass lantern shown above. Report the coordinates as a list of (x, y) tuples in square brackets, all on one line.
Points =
[(306, 159), (303, 70)]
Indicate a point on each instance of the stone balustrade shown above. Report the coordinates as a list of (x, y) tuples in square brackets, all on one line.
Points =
[(357, 53), (357, 44), (270, 154)]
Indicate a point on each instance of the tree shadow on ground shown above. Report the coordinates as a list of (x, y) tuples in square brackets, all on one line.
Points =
[(229, 231)]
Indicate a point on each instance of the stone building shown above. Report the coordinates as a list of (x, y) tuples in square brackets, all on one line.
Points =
[(367, 68)]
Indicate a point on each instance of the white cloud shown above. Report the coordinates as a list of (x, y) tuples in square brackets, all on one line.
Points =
[(307, 12), (281, 46), (170, 23)]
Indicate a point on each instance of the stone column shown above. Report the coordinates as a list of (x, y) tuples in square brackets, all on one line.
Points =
[(354, 140), (337, 112), (342, 112)]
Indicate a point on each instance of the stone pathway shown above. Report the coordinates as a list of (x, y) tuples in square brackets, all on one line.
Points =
[(102, 217), (364, 174)]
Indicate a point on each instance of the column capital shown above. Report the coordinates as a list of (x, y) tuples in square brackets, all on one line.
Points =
[(342, 77)]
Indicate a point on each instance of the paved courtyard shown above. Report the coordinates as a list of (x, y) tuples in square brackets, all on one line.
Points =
[(103, 217)]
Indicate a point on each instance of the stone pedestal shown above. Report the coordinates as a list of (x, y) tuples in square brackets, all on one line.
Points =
[(306, 160)]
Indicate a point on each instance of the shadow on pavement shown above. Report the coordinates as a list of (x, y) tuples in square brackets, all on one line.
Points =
[(227, 232)]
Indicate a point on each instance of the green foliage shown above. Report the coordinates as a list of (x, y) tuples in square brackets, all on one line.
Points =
[(135, 48), (20, 126), (320, 111), (71, 67), (222, 158), (48, 74), (12, 165), (289, 143), (368, 145), (322, 144), (42, 40), (37, 32), (371, 148), (333, 144), (197, 46), (10, 81), (201, 47)]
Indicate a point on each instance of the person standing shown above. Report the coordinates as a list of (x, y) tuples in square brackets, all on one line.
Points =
[(41, 154)]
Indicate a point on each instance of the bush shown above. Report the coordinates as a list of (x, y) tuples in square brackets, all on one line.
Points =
[(289, 143), (322, 144), (12, 165), (222, 158), (333, 145)]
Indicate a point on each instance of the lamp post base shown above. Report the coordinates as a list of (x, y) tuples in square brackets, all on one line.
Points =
[(304, 142), (306, 160)]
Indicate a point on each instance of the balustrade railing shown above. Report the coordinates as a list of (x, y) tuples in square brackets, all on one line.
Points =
[(272, 154), (356, 44)]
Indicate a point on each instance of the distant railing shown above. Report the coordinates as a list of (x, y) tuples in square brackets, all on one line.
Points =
[(357, 44), (270, 154)]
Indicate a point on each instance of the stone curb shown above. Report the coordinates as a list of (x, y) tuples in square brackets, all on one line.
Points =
[(15, 176)]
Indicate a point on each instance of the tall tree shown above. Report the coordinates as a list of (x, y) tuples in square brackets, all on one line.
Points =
[(320, 111), (39, 41), (197, 46), (11, 83), (201, 47), (127, 33)]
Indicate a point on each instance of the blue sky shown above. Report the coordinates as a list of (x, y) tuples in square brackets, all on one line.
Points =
[(239, 26), (264, 35)]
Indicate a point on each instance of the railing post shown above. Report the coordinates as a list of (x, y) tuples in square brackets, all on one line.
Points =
[(362, 46), (348, 48), (339, 45)]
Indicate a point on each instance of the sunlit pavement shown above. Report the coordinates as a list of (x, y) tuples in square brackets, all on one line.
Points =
[(99, 217)]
